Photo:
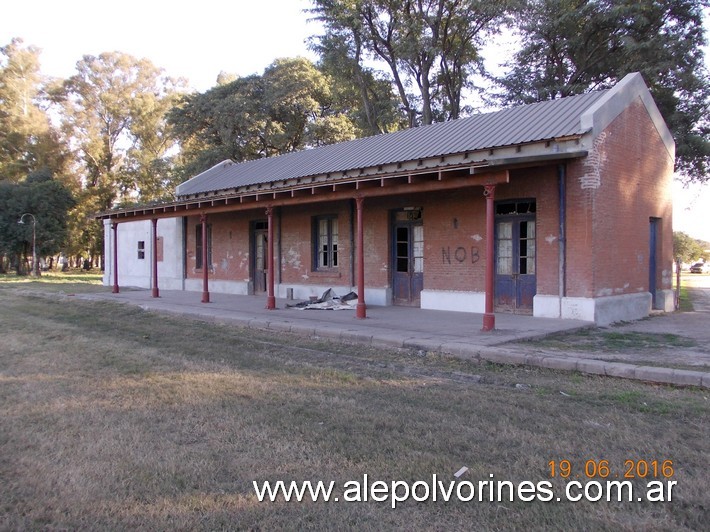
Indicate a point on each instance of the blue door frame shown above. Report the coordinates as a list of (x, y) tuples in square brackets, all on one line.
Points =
[(652, 259), (516, 282)]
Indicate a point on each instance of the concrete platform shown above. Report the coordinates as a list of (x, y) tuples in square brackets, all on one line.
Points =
[(456, 333)]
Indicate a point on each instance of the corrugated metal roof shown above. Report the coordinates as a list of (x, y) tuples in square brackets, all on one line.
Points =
[(509, 127)]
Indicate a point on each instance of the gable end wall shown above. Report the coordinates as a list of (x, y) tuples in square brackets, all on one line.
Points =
[(613, 193)]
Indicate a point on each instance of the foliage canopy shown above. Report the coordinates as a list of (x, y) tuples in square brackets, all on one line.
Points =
[(574, 46), (48, 201), (430, 46), (289, 107)]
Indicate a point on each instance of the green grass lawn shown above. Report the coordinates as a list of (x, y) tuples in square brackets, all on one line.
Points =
[(115, 418), (55, 281), (685, 304)]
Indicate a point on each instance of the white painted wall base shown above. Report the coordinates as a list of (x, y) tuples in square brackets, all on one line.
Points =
[(606, 310), (546, 306), (628, 307), (454, 300), (218, 287), (665, 300), (577, 308)]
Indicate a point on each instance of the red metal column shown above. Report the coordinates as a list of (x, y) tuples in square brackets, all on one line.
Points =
[(114, 228), (156, 292), (270, 297), (205, 266), (489, 318), (361, 309)]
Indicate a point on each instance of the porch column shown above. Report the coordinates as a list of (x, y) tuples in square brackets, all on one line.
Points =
[(270, 298), (156, 292), (361, 309), (205, 266), (489, 318), (114, 229)]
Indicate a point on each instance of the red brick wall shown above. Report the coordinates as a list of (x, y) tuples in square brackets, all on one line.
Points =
[(454, 240), (610, 196), (578, 229), (624, 181), (230, 245), (297, 245), (454, 236), (541, 185)]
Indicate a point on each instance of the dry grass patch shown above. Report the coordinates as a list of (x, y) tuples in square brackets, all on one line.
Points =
[(114, 418)]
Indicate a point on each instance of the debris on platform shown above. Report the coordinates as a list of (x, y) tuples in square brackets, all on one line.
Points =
[(328, 301)]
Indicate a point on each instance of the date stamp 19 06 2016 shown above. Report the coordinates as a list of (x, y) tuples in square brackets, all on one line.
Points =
[(593, 468)]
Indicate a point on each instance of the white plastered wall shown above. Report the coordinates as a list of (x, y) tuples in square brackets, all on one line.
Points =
[(133, 271)]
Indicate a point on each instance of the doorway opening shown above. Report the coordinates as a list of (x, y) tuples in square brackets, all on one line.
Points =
[(407, 257), (515, 281)]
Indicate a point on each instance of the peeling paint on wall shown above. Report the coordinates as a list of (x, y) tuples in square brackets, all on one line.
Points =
[(293, 259), (594, 164), (667, 279), (605, 292), (243, 260), (550, 239), (476, 237)]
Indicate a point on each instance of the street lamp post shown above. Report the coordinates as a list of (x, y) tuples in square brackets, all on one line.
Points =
[(35, 269)]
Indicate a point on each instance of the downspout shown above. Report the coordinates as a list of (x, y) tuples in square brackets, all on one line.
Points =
[(352, 243), (270, 297), (183, 266), (279, 251), (562, 241), (205, 257), (155, 292), (114, 229)]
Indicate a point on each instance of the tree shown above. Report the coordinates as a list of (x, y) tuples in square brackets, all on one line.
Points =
[(48, 201), (362, 92), (685, 248), (288, 108), (28, 142), (574, 46), (113, 112), (431, 45)]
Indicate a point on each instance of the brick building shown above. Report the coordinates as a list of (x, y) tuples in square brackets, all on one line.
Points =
[(555, 209)]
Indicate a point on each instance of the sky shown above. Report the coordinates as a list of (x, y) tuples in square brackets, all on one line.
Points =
[(198, 40)]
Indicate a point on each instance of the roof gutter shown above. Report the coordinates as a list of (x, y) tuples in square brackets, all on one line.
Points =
[(529, 160)]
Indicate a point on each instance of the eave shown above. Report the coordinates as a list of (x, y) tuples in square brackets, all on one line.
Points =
[(436, 174)]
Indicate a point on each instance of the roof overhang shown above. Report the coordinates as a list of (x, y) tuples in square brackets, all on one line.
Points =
[(449, 176)]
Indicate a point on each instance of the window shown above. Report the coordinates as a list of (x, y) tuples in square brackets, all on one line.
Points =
[(325, 229), (198, 245), (516, 207), (141, 249)]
